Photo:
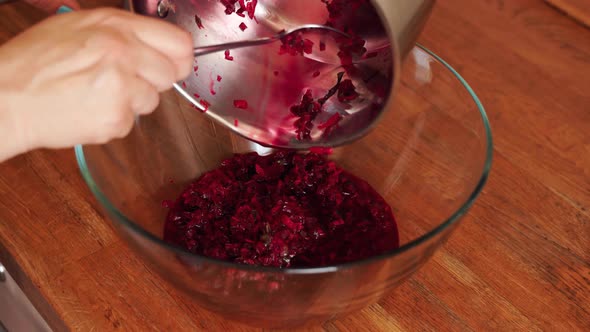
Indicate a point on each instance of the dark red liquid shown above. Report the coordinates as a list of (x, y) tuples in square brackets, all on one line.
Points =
[(282, 210)]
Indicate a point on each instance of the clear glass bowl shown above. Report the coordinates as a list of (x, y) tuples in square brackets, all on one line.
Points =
[(429, 157)]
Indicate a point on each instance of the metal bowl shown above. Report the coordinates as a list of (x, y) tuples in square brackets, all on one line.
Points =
[(271, 83)]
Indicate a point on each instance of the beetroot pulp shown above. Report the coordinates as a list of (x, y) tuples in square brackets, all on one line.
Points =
[(309, 108), (282, 210)]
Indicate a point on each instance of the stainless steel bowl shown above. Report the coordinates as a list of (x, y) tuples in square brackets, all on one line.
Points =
[(271, 83)]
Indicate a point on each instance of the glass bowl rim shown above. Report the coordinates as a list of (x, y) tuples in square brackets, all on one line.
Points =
[(456, 216)]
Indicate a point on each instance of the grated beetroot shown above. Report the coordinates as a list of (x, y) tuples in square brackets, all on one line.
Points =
[(199, 22), (205, 104), (321, 150), (282, 210), (230, 6), (251, 8), (309, 108), (337, 8), (349, 47), (247, 6), (241, 104), (295, 44), (227, 56), (354, 45), (345, 58), (243, 26), (330, 123)]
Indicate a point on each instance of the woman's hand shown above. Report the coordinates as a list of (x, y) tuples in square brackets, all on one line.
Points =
[(82, 77), (51, 6)]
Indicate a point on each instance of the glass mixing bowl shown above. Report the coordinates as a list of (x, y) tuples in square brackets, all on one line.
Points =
[(429, 157)]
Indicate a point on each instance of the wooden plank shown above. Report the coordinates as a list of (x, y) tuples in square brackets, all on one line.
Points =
[(577, 9)]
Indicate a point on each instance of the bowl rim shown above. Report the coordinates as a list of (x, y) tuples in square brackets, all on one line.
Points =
[(455, 217)]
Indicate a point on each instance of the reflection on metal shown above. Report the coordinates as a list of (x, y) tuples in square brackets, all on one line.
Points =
[(163, 8)]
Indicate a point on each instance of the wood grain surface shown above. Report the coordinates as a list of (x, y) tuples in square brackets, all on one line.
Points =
[(519, 261), (577, 9)]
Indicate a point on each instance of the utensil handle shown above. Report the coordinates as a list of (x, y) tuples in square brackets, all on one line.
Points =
[(204, 50)]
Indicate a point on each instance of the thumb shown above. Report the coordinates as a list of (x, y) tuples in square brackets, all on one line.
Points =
[(51, 6)]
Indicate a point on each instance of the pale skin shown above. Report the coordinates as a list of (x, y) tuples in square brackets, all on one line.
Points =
[(83, 77)]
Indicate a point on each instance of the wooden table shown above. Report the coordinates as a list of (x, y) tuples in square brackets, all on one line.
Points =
[(577, 9), (519, 261)]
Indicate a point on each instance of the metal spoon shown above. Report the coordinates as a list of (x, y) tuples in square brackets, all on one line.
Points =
[(203, 50)]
